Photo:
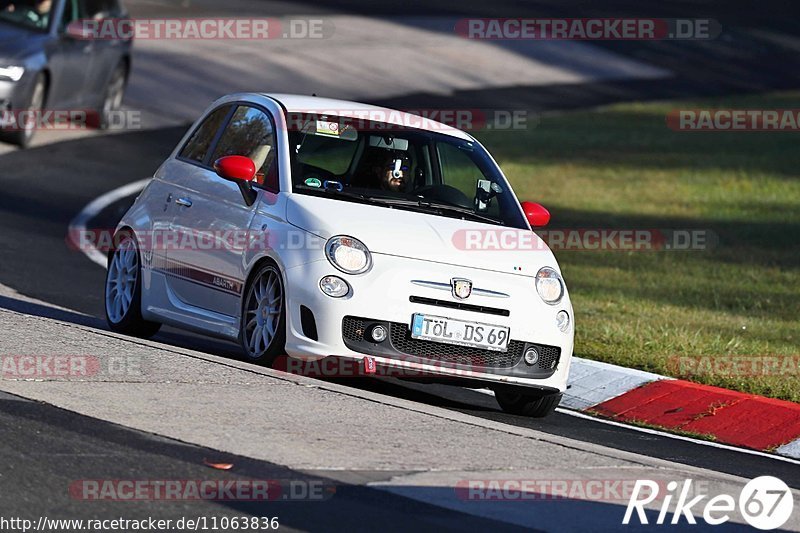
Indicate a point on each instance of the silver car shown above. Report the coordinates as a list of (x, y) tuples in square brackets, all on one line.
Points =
[(289, 224), (47, 60)]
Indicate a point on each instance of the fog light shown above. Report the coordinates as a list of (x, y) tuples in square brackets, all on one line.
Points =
[(334, 286), (562, 321), (378, 333), (531, 356)]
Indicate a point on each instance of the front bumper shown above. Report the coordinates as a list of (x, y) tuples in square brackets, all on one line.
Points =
[(13, 93), (320, 326)]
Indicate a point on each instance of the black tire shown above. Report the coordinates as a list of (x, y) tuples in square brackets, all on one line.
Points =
[(528, 405), (277, 345), (131, 323), (35, 102), (112, 97)]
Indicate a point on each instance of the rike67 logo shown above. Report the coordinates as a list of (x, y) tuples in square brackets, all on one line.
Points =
[(765, 503)]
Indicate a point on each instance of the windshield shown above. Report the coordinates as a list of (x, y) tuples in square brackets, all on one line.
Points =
[(401, 168), (32, 14)]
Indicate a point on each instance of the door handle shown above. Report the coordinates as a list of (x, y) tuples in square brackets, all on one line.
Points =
[(185, 202)]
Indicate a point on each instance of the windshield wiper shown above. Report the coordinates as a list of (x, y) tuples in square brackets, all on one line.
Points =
[(462, 211), (438, 206)]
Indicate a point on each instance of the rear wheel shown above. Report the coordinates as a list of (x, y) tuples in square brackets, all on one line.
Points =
[(123, 292), (24, 133), (262, 330), (536, 406)]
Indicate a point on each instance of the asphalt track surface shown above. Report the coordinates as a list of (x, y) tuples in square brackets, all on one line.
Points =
[(79, 447), (45, 187), (52, 183)]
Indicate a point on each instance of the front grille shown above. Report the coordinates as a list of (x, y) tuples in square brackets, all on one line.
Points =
[(450, 353), (459, 305), (353, 329), (548, 356)]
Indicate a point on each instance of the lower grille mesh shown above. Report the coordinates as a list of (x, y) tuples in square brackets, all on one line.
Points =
[(353, 329)]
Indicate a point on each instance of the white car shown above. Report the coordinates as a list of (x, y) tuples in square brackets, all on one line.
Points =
[(313, 227)]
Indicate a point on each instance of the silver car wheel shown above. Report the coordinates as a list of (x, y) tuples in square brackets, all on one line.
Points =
[(263, 312), (34, 108), (116, 92), (123, 272)]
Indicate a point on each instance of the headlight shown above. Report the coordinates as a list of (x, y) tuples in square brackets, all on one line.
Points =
[(549, 285), (11, 73), (348, 254)]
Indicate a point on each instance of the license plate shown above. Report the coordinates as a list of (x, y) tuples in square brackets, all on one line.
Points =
[(460, 332)]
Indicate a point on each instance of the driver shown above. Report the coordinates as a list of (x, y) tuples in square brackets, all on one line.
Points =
[(39, 15), (395, 173)]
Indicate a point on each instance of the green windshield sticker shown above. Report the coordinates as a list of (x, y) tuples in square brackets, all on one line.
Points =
[(325, 127), (313, 182)]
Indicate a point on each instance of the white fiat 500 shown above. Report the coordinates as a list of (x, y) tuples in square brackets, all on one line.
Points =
[(322, 228)]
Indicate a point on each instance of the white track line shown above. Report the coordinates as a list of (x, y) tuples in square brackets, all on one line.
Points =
[(78, 224)]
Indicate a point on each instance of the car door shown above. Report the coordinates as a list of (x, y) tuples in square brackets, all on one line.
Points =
[(69, 59), (106, 54), (213, 220)]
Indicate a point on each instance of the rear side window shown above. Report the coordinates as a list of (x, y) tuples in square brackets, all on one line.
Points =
[(198, 145), (250, 133)]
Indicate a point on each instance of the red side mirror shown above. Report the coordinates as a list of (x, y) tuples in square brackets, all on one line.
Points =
[(235, 168), (537, 215)]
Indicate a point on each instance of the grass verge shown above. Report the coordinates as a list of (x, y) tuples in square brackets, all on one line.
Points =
[(713, 316)]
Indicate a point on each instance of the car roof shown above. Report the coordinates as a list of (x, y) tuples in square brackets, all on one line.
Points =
[(297, 103)]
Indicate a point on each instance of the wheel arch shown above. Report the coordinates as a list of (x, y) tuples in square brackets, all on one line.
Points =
[(119, 230), (256, 264)]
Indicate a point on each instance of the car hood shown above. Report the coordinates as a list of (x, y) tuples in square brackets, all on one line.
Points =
[(415, 235), (16, 41)]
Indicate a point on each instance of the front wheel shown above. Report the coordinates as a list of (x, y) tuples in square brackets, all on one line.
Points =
[(123, 290), (25, 131), (262, 330), (536, 406)]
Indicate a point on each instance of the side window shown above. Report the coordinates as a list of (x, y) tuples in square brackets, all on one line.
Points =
[(199, 143), (72, 12), (249, 133)]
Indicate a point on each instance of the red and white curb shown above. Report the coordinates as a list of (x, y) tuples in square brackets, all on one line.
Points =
[(651, 400)]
